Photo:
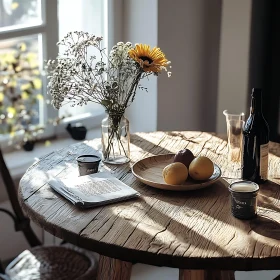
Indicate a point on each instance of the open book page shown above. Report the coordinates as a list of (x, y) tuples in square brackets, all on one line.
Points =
[(95, 189)]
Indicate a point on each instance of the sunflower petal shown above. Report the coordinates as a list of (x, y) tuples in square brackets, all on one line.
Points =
[(151, 60)]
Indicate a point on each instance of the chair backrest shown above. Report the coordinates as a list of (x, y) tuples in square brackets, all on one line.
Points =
[(22, 223)]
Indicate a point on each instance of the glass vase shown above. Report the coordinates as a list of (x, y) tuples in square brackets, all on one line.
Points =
[(115, 139)]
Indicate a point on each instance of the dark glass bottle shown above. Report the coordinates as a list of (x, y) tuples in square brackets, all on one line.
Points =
[(255, 142)]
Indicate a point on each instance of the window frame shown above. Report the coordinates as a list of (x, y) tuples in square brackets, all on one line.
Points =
[(48, 33)]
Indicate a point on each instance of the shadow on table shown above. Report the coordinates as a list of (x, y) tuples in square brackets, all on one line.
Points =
[(266, 226), (154, 227), (269, 195), (168, 238)]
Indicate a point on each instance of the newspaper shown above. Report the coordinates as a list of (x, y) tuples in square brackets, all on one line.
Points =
[(93, 190)]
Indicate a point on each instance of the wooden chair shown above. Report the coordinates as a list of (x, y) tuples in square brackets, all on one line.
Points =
[(42, 262)]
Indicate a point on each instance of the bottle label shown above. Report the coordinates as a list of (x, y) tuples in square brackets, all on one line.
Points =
[(264, 161)]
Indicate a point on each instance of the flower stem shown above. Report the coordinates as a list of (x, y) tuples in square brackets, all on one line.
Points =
[(114, 138)]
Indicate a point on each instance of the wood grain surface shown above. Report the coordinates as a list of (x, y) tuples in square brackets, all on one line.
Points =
[(113, 269), (188, 230)]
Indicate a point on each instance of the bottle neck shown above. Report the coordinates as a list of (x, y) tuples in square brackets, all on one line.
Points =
[(256, 104)]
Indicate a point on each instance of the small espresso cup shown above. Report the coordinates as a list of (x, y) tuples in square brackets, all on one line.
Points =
[(244, 199), (88, 164)]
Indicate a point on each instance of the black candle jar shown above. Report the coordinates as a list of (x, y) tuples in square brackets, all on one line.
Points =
[(244, 199), (77, 132), (88, 164)]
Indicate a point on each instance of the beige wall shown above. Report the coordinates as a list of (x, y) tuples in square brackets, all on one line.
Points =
[(234, 58), (189, 35)]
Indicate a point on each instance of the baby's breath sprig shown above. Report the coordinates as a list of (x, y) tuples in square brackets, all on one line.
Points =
[(78, 78)]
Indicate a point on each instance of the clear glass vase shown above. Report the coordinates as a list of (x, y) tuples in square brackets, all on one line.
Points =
[(115, 139)]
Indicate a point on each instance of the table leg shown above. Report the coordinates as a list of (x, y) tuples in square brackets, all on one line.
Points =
[(113, 269), (185, 274), (206, 275)]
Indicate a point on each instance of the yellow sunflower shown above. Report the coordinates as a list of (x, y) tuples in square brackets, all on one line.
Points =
[(150, 60)]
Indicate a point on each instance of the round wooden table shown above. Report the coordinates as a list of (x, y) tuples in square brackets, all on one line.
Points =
[(193, 231)]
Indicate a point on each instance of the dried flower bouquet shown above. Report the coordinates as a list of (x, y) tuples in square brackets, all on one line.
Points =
[(78, 77)]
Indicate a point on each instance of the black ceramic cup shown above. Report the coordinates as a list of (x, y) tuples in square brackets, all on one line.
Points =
[(88, 164), (244, 199)]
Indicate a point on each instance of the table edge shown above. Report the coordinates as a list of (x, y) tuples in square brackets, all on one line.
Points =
[(133, 256)]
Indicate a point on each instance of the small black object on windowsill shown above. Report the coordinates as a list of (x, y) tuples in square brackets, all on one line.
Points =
[(77, 132), (28, 146)]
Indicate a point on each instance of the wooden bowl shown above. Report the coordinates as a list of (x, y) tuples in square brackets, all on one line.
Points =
[(149, 171)]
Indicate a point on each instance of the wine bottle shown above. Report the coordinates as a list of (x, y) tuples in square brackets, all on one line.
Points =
[(255, 142)]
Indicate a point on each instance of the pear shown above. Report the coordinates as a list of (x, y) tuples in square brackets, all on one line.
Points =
[(201, 168), (175, 173)]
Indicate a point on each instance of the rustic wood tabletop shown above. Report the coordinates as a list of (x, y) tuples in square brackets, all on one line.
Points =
[(191, 230)]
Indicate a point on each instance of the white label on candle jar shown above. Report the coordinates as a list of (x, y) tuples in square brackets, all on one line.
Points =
[(244, 187), (264, 161)]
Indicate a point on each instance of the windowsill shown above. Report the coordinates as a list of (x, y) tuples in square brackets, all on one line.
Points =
[(18, 161)]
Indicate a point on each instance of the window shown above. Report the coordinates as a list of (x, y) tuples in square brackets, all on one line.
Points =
[(40, 24), (15, 14), (86, 16), (33, 23)]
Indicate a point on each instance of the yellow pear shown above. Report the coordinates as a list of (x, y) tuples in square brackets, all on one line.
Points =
[(201, 168), (175, 173)]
